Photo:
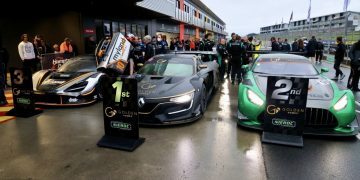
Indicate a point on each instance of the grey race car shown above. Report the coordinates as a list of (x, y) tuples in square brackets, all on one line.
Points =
[(175, 88)]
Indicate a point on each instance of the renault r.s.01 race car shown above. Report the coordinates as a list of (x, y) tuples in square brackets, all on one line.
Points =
[(175, 88), (329, 109), (74, 83)]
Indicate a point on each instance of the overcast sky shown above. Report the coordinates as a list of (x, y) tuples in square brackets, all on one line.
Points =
[(247, 16)]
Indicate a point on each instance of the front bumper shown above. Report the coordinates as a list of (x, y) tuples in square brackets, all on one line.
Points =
[(54, 99), (156, 112), (351, 130)]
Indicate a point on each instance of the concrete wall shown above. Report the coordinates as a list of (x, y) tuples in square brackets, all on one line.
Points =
[(54, 28)]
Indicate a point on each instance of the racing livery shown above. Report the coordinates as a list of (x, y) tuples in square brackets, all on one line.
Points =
[(175, 88), (74, 83), (330, 110)]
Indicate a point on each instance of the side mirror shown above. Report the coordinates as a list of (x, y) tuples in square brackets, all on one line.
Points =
[(324, 70), (245, 67), (203, 66)]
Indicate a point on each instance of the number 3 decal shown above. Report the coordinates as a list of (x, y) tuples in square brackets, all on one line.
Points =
[(277, 93), (18, 77)]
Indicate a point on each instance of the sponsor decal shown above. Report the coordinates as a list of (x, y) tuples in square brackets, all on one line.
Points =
[(284, 123), (272, 109), (110, 112), (23, 101), (120, 125), (147, 86), (16, 91), (73, 100)]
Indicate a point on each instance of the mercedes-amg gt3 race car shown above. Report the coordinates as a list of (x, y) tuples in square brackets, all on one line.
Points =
[(74, 83), (175, 88), (329, 109)]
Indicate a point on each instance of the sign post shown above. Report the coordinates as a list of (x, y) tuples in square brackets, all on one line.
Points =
[(121, 118), (285, 112), (22, 89)]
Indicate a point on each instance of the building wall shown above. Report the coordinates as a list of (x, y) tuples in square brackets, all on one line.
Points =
[(54, 28)]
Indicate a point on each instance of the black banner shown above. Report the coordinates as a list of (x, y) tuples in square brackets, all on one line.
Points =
[(54, 60), (121, 118), (22, 89), (286, 99)]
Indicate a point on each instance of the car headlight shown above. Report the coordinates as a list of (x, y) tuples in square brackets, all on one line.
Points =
[(254, 98), (183, 99), (341, 104)]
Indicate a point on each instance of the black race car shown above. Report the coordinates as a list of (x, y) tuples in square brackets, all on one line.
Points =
[(175, 88)]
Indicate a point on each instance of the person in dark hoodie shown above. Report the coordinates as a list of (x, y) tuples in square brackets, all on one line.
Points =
[(339, 57), (295, 46), (311, 48), (354, 55), (286, 46), (274, 44)]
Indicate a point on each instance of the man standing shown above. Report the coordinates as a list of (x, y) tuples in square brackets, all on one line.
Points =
[(208, 42), (222, 55), (149, 49), (27, 53), (319, 51), (4, 57), (310, 48), (354, 55), (295, 46), (274, 44), (66, 47), (286, 46), (339, 57), (236, 50)]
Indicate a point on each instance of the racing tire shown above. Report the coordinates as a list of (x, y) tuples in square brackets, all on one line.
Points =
[(203, 99)]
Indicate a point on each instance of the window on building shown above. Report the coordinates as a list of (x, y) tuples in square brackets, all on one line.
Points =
[(194, 13), (178, 4)]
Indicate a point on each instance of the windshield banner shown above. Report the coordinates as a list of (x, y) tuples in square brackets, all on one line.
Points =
[(54, 60)]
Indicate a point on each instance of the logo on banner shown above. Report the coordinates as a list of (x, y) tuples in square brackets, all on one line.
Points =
[(272, 109), (284, 123), (110, 112)]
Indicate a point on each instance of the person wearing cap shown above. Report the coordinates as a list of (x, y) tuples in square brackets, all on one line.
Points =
[(66, 46)]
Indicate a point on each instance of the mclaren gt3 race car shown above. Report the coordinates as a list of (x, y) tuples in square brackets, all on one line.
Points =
[(329, 109), (175, 88), (74, 83)]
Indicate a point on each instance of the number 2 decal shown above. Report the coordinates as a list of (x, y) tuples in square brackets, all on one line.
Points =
[(279, 93)]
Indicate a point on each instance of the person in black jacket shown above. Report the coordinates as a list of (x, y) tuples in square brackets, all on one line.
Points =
[(149, 48), (295, 46), (4, 58), (339, 57), (310, 48), (286, 46), (354, 54), (236, 49), (319, 51), (222, 55), (274, 44)]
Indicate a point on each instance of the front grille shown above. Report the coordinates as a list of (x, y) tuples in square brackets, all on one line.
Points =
[(320, 118), (315, 118)]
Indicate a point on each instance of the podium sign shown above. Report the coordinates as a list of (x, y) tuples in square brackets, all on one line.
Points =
[(285, 112), (121, 118), (23, 93)]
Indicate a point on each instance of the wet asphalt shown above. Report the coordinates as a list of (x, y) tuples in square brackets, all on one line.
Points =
[(61, 144)]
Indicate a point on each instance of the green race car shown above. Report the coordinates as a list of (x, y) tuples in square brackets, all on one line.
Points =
[(329, 109)]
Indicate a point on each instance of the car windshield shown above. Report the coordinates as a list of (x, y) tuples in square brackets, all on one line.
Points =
[(78, 64), (295, 67), (168, 66)]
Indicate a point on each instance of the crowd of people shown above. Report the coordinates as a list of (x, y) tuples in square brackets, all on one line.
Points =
[(31, 52)]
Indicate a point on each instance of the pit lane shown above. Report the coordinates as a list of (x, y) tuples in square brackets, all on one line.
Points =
[(61, 144)]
